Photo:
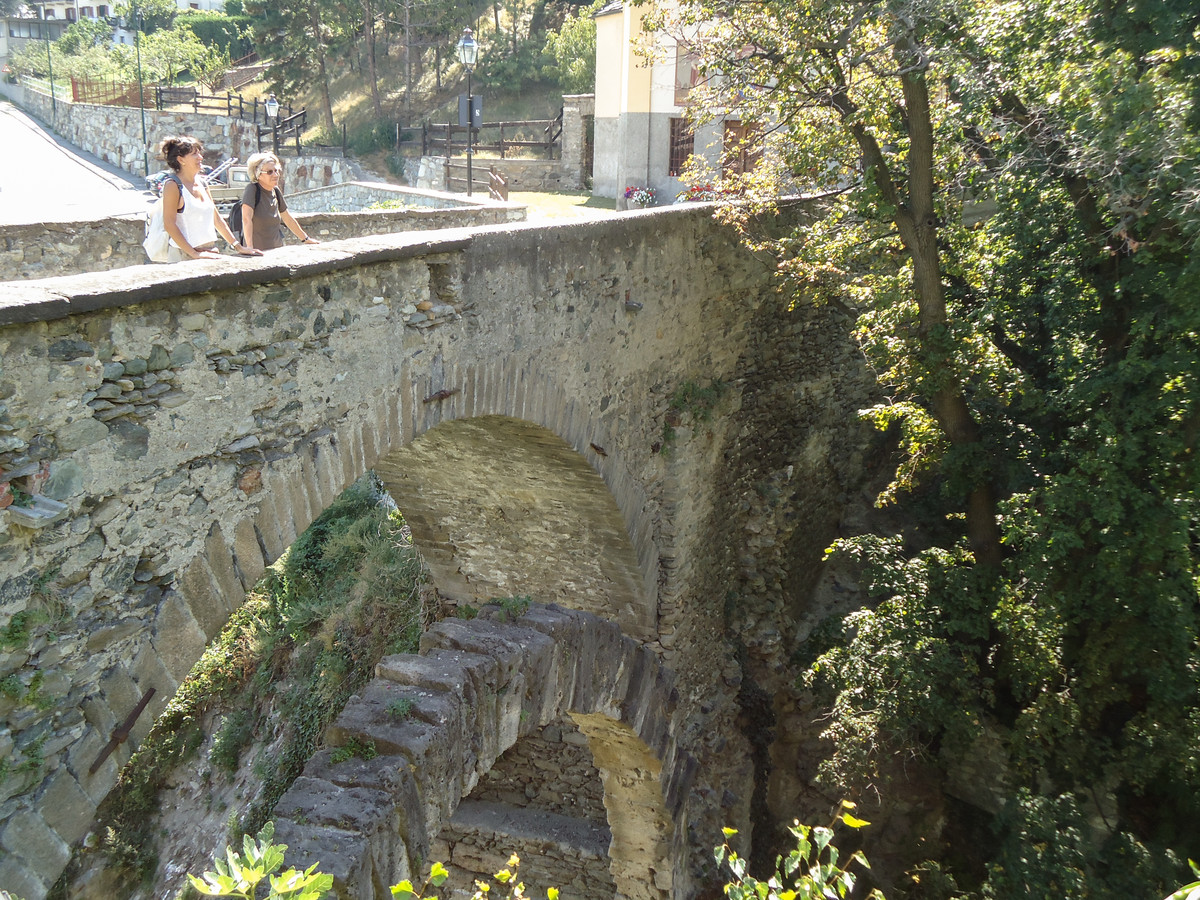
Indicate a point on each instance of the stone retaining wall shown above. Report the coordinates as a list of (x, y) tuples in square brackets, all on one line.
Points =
[(114, 134)]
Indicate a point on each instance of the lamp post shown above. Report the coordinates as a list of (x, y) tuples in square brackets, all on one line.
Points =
[(272, 106), (49, 63), (468, 52), (137, 42)]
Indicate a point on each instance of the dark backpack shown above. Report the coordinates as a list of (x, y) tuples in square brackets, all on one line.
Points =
[(234, 219)]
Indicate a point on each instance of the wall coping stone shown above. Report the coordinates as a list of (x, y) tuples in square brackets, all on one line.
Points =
[(67, 295)]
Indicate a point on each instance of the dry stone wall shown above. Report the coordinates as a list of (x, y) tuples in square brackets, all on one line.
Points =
[(550, 770), (555, 851)]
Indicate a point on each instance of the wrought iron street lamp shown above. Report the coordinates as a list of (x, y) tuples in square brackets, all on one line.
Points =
[(272, 107), (468, 53)]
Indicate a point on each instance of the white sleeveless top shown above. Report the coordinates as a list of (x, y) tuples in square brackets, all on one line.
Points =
[(196, 220)]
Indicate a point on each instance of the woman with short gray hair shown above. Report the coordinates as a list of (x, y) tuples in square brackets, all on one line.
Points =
[(263, 209)]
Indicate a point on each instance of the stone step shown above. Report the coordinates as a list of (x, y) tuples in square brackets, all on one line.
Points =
[(500, 820), (554, 850)]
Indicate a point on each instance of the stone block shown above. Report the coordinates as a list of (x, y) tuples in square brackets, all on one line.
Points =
[(343, 854), (27, 837), (436, 765), (178, 638), (270, 530), (200, 590), (66, 807), (19, 880), (247, 554), (480, 692), (220, 563), (350, 455), (391, 775), (281, 497)]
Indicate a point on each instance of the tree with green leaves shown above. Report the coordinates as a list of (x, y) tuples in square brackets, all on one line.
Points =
[(152, 15), (1008, 199), (299, 38), (573, 48)]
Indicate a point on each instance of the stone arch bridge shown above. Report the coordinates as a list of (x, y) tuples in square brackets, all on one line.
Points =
[(620, 417)]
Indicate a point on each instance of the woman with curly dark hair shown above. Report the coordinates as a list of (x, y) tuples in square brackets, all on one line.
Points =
[(190, 216)]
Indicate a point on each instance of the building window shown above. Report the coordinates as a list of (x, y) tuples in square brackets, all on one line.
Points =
[(85, 11), (687, 74), (741, 147), (102, 12), (683, 143)]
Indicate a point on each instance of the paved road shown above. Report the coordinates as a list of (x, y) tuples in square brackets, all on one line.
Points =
[(45, 179)]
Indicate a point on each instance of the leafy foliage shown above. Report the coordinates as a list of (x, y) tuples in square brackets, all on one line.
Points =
[(573, 49), (812, 871), (438, 874), (239, 874), (344, 595), (1009, 202), (1188, 891), (223, 31)]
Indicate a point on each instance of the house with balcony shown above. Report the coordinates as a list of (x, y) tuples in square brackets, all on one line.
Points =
[(68, 11), (17, 31), (643, 137)]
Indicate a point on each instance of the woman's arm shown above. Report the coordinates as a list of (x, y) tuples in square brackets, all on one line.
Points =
[(248, 224), (294, 227), (225, 232)]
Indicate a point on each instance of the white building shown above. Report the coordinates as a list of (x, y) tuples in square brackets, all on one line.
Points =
[(642, 134), (77, 10)]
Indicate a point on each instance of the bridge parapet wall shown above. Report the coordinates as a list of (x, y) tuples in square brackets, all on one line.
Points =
[(51, 249)]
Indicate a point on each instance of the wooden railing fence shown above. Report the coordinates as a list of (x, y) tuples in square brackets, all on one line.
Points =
[(494, 137)]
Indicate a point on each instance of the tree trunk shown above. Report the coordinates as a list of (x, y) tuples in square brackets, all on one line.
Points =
[(408, 68), (916, 222), (372, 74), (918, 228)]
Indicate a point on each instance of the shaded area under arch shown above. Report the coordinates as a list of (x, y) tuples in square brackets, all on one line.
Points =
[(501, 507)]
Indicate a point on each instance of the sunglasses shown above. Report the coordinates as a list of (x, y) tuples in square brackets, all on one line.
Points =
[(269, 172)]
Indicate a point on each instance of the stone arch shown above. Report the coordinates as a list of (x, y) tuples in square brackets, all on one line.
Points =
[(476, 688), (501, 507), (640, 853)]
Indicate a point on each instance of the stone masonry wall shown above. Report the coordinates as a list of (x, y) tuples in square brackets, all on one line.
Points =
[(167, 431), (551, 770), (478, 688), (47, 249), (554, 851), (114, 134)]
